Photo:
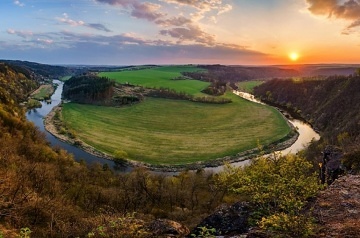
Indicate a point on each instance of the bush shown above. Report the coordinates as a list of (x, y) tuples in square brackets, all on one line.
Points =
[(280, 187)]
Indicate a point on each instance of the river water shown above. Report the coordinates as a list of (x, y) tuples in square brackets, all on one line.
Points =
[(306, 134), (37, 117)]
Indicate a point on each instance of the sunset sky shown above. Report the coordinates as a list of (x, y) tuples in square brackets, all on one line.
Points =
[(123, 32)]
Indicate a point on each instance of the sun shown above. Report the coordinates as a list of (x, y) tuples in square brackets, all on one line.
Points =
[(294, 56)]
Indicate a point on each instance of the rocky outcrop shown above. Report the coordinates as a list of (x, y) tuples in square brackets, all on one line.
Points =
[(227, 220), (338, 208), (167, 228), (331, 166)]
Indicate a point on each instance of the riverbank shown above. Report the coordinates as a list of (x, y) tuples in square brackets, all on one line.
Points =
[(54, 126)]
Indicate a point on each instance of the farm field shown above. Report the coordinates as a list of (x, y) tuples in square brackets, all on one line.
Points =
[(162, 131), (248, 86), (160, 77)]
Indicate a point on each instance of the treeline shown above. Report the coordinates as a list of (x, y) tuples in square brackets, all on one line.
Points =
[(89, 89), (173, 94), (239, 73)]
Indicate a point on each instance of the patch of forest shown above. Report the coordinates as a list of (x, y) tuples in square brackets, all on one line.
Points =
[(89, 89), (332, 105), (233, 74)]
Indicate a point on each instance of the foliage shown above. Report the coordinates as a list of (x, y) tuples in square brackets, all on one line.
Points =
[(89, 89), (32, 103), (126, 227), (279, 186), (205, 232), (44, 70), (234, 74), (331, 105), (25, 232)]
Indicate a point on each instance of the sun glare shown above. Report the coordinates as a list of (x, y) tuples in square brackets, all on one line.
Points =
[(294, 56)]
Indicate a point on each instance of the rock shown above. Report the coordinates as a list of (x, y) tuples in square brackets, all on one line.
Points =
[(227, 220), (337, 208), (167, 228), (331, 166)]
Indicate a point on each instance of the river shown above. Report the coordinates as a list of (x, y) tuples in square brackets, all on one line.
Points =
[(37, 117), (306, 134)]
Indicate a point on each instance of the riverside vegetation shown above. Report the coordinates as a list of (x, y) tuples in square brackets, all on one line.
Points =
[(45, 193)]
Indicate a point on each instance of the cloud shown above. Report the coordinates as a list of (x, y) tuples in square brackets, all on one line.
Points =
[(123, 3), (174, 21), (204, 5), (65, 19), (213, 8), (190, 33), (346, 10), (148, 11), (23, 34), (18, 3), (97, 26), (224, 9), (123, 50)]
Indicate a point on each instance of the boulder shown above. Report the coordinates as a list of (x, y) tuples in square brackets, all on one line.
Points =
[(227, 220), (167, 228)]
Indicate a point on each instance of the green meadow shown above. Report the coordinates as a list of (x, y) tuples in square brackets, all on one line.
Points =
[(161, 131), (160, 77), (248, 86)]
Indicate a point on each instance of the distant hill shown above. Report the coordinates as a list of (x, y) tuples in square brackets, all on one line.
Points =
[(46, 71)]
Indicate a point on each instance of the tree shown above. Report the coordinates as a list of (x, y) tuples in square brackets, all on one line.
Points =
[(279, 187)]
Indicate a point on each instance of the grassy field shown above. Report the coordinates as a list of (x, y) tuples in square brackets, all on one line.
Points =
[(160, 77), (43, 92), (64, 78), (248, 86), (161, 131)]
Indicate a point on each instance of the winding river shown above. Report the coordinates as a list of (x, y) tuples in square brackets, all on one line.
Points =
[(306, 134)]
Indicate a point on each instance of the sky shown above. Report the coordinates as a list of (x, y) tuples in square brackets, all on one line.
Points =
[(134, 32)]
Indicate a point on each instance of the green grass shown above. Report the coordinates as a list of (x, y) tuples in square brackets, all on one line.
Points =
[(160, 77), (65, 78), (161, 131), (248, 86), (43, 92)]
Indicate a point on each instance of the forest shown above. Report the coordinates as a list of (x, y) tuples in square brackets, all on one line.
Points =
[(89, 89), (331, 104)]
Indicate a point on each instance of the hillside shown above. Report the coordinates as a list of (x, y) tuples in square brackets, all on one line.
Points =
[(332, 105), (39, 70), (15, 86)]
